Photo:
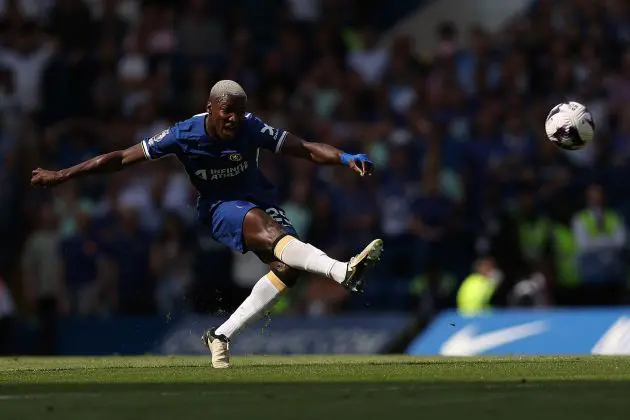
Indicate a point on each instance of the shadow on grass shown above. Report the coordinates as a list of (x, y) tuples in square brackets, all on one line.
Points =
[(516, 400), (243, 386)]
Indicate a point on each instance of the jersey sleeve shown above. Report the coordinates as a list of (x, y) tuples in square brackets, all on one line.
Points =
[(162, 144), (265, 136)]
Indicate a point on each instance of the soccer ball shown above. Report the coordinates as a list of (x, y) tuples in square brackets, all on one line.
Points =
[(570, 125)]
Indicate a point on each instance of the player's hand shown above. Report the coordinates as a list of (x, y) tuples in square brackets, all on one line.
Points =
[(360, 163), (44, 178)]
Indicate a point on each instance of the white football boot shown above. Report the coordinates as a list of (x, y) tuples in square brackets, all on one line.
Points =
[(359, 263), (219, 347)]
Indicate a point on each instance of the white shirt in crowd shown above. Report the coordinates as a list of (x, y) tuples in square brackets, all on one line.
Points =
[(31, 9), (27, 74), (369, 64), (305, 10)]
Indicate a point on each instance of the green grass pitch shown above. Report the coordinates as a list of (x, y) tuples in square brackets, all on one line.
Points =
[(320, 387)]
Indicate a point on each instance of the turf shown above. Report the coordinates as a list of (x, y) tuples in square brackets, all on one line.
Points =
[(323, 388)]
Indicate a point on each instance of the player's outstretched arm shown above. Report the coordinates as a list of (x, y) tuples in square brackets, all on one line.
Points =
[(326, 154), (106, 163)]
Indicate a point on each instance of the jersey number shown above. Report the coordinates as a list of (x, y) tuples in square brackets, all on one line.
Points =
[(278, 215)]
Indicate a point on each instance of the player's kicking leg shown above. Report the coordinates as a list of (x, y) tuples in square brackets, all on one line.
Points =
[(262, 297), (265, 236), (354, 277), (262, 233)]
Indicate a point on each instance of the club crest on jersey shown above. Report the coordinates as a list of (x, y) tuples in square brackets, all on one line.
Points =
[(235, 157)]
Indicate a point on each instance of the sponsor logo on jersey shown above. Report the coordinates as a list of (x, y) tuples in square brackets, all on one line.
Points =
[(236, 157), (269, 130), (158, 137), (215, 174)]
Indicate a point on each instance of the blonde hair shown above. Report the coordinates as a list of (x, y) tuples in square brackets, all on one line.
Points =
[(227, 88)]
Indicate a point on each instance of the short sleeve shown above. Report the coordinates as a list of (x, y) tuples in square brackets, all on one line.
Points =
[(162, 144), (264, 135)]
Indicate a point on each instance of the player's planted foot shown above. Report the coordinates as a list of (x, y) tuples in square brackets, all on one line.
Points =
[(359, 263), (219, 347)]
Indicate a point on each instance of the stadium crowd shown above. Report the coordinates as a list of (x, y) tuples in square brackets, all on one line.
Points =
[(464, 170)]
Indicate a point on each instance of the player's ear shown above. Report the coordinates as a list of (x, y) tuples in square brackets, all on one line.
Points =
[(209, 108)]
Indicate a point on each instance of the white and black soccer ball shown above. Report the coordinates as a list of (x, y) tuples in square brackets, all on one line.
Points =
[(570, 125)]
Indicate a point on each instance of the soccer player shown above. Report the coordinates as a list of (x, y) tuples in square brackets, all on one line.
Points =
[(219, 151)]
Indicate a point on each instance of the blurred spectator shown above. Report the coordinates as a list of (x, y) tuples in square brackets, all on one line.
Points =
[(447, 36), (247, 269), (322, 297), (530, 292), (618, 83), (7, 319), (562, 253), (395, 203), (85, 269), (71, 22), (369, 60), (43, 286), (27, 9), (621, 140), (128, 248), (477, 291), (553, 172), (9, 111), (601, 238), (432, 218), (435, 290), (69, 207), (213, 289), (27, 63), (161, 38), (110, 24), (533, 230), (305, 10), (297, 208), (133, 71), (477, 68), (357, 211), (200, 31), (498, 233), (324, 229), (171, 257)]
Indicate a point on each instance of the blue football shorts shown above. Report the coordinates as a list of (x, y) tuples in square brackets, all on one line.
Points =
[(226, 220)]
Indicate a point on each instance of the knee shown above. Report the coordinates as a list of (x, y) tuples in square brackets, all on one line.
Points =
[(289, 276), (273, 236), (267, 239)]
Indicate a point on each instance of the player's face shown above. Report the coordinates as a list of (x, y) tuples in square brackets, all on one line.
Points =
[(227, 113)]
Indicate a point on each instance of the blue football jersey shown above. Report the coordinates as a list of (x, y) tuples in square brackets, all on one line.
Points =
[(221, 170)]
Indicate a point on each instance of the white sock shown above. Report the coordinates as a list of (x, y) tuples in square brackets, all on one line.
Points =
[(264, 294), (300, 255)]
